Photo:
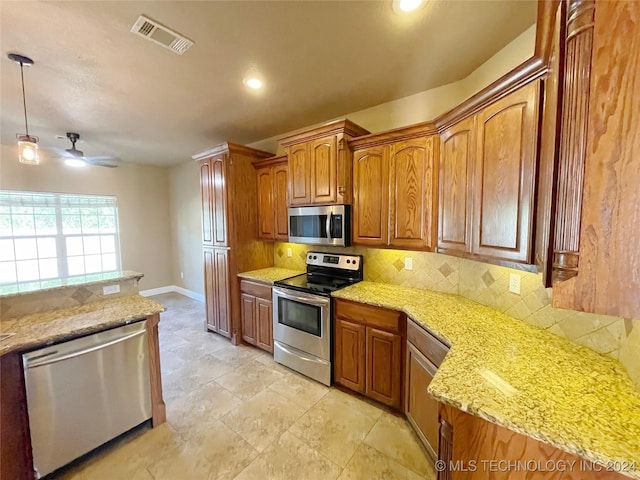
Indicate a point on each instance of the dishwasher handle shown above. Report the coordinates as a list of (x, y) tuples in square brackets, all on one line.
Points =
[(77, 353)]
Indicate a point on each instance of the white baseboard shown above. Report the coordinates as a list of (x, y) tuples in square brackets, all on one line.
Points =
[(173, 288)]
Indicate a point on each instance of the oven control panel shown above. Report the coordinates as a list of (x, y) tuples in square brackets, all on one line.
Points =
[(334, 260)]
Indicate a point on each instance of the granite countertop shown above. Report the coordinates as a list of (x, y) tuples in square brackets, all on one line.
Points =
[(26, 288), (39, 329), (269, 275), (522, 377)]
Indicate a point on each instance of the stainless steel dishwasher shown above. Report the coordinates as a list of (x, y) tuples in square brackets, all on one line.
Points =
[(84, 392)]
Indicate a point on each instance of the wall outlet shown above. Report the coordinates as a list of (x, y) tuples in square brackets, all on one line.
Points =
[(110, 289), (289, 254), (408, 263), (514, 283), (182, 275)]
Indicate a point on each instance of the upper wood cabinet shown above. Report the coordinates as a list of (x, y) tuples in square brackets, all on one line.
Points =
[(273, 215), (457, 158), (214, 201), (487, 180), (597, 219), (229, 200), (320, 164), (504, 177), (370, 213), (394, 189)]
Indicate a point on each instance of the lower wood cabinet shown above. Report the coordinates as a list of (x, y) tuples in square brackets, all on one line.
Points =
[(467, 440), (216, 289), (256, 313), (368, 351), (424, 355)]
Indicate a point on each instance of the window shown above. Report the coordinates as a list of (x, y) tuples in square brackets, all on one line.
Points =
[(49, 237)]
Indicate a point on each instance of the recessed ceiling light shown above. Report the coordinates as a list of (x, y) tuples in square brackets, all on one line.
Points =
[(407, 5), (75, 162), (253, 82)]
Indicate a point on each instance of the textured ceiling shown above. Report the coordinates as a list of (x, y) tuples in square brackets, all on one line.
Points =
[(132, 98)]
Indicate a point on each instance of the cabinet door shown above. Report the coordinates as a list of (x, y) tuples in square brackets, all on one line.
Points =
[(221, 291), (505, 166), (349, 358), (281, 227), (265, 204), (219, 196), (300, 174), (421, 408), (206, 198), (457, 151), (209, 290), (248, 315), (413, 183), (384, 367), (324, 165), (371, 196), (264, 324)]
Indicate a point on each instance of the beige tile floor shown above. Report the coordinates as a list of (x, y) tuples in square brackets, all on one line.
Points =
[(233, 413)]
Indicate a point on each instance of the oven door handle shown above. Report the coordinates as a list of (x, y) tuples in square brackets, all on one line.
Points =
[(312, 300)]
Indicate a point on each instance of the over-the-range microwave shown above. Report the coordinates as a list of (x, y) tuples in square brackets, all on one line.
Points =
[(321, 225)]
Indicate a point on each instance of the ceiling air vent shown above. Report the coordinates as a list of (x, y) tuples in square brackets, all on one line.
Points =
[(152, 30)]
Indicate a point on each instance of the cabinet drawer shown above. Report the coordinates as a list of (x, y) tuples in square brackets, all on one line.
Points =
[(369, 315), (425, 343), (256, 289)]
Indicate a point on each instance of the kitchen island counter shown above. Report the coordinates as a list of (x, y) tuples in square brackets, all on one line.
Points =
[(522, 377)]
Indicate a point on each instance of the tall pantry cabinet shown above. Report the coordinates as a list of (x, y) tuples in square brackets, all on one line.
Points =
[(230, 242)]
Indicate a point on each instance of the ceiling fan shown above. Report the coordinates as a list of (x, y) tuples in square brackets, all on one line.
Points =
[(76, 158)]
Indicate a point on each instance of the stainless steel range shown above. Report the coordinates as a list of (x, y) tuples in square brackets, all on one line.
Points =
[(302, 330)]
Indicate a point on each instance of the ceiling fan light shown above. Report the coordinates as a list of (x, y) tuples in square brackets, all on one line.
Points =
[(28, 150), (75, 163)]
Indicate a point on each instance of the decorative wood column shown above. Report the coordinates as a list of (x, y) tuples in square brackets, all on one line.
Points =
[(158, 409), (573, 138)]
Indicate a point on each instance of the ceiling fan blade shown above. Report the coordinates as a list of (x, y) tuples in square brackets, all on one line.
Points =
[(57, 152), (75, 152), (103, 161)]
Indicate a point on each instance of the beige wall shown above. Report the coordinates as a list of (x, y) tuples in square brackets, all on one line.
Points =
[(186, 226), (427, 105), (143, 205)]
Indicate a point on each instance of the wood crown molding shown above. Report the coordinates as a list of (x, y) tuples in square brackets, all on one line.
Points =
[(545, 29), (391, 136), (229, 147), (345, 126), (271, 162), (523, 74)]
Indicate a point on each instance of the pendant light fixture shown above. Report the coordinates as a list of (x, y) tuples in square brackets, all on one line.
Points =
[(27, 144)]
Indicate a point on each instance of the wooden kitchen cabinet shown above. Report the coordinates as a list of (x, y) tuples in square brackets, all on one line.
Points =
[(384, 363), (466, 439), (368, 351), (424, 355), (487, 180), (273, 215), (457, 158), (371, 196), (216, 288), (349, 355), (595, 257), (395, 188), (320, 164), (229, 199), (257, 314)]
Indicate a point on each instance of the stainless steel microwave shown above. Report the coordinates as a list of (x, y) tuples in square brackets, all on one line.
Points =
[(321, 225)]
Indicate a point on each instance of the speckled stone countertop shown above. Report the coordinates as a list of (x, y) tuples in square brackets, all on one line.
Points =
[(39, 329), (269, 275), (10, 290), (522, 377)]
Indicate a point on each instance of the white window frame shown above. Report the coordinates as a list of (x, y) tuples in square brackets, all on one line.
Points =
[(58, 202)]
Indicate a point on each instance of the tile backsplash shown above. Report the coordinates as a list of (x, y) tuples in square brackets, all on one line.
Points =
[(489, 285)]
